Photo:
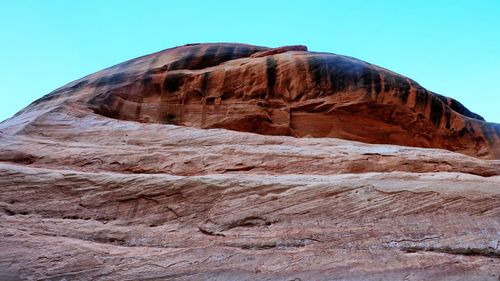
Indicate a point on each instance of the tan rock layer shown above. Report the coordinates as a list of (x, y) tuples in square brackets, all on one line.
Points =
[(79, 201), (354, 227), (93, 143)]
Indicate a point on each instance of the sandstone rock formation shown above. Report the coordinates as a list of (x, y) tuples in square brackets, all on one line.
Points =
[(130, 173), (283, 91)]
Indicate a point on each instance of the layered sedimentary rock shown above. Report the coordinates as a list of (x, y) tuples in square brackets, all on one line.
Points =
[(119, 176), (282, 91)]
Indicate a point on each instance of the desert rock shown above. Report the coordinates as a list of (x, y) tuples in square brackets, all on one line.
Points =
[(237, 162)]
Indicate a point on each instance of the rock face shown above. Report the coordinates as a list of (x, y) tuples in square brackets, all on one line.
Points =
[(89, 193), (282, 91)]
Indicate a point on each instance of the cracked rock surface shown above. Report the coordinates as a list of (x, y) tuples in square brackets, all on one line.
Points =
[(99, 182)]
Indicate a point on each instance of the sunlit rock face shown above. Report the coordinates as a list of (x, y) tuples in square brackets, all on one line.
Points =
[(239, 162), (281, 91)]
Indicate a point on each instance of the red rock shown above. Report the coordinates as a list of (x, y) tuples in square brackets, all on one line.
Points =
[(282, 91), (84, 196)]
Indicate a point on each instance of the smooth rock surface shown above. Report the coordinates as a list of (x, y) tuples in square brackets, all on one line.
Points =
[(281, 91), (87, 197)]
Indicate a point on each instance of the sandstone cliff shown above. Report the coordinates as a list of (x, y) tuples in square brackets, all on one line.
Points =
[(130, 173), (282, 91)]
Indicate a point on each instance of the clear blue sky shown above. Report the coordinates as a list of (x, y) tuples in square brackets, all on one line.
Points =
[(451, 47)]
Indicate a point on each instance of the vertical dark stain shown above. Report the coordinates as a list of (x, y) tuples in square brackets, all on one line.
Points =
[(404, 89), (426, 99), (367, 78), (204, 82), (491, 133), (460, 108), (185, 61), (243, 52), (462, 132), (105, 102), (173, 82), (436, 111), (225, 53), (192, 60), (315, 66), (173, 66), (447, 117), (339, 74), (388, 82), (207, 58), (421, 96), (170, 119), (114, 104), (457, 106), (271, 75), (148, 86), (377, 84), (147, 79), (441, 97), (199, 57)]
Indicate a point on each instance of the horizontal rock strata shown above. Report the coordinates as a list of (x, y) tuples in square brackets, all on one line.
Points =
[(151, 201)]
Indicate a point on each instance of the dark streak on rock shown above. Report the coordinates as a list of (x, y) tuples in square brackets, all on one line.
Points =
[(204, 82), (421, 97), (271, 75), (367, 78), (341, 73), (436, 111), (316, 69), (206, 58), (377, 84), (112, 80), (404, 89), (447, 117), (185, 62), (458, 107), (173, 82), (102, 104), (195, 59), (388, 82), (224, 54)]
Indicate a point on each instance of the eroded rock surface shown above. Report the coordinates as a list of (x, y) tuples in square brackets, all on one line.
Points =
[(89, 193), (281, 91)]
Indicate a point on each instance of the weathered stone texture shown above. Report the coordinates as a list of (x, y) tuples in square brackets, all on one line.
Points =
[(131, 174)]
